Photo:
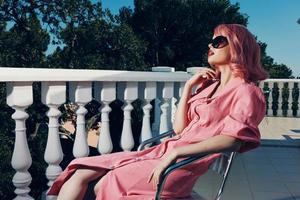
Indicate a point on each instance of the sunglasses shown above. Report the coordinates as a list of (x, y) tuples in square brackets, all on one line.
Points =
[(219, 42)]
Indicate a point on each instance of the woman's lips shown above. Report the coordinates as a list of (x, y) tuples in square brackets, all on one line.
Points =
[(210, 53)]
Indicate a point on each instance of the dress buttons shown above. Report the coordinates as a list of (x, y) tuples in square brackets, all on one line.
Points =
[(138, 159)]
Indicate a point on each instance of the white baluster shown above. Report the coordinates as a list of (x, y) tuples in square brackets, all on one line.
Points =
[(270, 98), (108, 94), (165, 117), (130, 94), (19, 97), (290, 100), (53, 95), (280, 87), (157, 108), (149, 94), (81, 93), (297, 100), (261, 85)]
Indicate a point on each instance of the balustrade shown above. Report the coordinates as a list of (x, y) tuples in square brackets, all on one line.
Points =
[(163, 85)]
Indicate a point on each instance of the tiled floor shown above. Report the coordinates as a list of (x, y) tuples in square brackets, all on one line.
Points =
[(271, 172)]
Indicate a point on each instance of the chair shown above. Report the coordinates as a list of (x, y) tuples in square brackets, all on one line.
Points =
[(221, 165)]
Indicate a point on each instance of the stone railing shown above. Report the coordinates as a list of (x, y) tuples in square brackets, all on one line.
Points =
[(282, 96), (162, 84), (106, 86)]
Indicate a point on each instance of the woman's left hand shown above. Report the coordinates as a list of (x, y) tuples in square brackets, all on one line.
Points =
[(155, 175)]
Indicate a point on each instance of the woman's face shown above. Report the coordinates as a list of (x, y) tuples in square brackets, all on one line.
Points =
[(219, 51)]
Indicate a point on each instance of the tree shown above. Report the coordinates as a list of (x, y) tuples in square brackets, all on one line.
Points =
[(89, 36), (177, 32), (25, 43), (100, 45)]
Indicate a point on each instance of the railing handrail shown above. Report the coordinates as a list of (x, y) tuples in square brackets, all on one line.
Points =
[(281, 80), (9, 74), (16, 74)]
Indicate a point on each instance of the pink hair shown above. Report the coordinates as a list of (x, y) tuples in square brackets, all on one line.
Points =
[(244, 50)]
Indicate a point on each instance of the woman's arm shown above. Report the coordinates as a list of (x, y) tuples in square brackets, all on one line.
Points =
[(219, 143), (181, 120)]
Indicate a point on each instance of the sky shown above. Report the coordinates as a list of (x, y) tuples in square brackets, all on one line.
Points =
[(272, 21), (275, 23)]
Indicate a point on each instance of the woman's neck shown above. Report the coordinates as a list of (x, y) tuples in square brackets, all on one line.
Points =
[(225, 76)]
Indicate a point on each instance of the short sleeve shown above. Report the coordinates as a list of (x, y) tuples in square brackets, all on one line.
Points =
[(246, 113)]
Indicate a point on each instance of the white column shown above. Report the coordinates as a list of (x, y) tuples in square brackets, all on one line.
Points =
[(107, 95), (261, 86), (161, 104), (290, 100), (280, 87), (270, 98), (298, 100), (19, 97), (81, 94), (53, 95), (130, 94), (149, 94), (165, 118)]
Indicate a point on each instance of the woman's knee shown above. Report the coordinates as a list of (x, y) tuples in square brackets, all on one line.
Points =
[(98, 184), (85, 175)]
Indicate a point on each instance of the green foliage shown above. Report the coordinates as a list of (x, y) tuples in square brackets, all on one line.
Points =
[(279, 71), (6, 146), (100, 45), (170, 32), (24, 44), (177, 32), (6, 172)]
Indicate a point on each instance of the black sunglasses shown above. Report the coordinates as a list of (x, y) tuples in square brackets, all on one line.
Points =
[(219, 42)]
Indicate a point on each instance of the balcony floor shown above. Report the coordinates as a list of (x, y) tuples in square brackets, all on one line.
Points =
[(271, 172)]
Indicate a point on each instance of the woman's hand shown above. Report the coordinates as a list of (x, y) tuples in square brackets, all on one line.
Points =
[(156, 174), (201, 75)]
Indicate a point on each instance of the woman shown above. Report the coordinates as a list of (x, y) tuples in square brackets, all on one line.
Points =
[(223, 115)]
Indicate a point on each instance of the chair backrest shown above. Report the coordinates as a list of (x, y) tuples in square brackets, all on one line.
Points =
[(222, 166)]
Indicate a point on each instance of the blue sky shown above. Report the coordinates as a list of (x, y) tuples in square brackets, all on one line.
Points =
[(272, 21), (275, 23)]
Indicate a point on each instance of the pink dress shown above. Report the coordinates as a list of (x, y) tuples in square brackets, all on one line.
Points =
[(235, 111)]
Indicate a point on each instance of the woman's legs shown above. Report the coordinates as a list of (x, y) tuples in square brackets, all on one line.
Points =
[(76, 186), (97, 186)]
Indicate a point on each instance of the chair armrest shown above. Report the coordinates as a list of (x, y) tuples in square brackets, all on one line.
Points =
[(173, 167), (153, 139), (189, 160)]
